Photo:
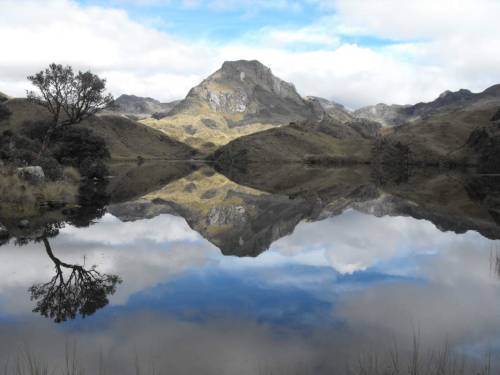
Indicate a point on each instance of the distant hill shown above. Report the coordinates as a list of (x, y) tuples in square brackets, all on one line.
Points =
[(136, 107), (242, 97), (126, 139), (460, 134), (394, 115)]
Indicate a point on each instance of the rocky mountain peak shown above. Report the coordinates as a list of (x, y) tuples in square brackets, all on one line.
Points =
[(254, 73), (249, 89)]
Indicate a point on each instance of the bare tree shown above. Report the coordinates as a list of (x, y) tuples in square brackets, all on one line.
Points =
[(70, 98), (79, 291)]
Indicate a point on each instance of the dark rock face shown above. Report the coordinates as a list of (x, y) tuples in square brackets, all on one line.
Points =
[(485, 142), (366, 128)]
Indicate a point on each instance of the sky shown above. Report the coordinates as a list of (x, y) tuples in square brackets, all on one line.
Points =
[(356, 52)]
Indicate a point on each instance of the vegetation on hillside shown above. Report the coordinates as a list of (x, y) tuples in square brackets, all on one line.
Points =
[(53, 144)]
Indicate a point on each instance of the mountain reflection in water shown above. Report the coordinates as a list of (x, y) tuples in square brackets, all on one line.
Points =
[(256, 271)]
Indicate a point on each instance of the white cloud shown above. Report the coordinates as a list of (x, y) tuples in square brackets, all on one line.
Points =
[(444, 45), (134, 58), (142, 253), (355, 241), (111, 231)]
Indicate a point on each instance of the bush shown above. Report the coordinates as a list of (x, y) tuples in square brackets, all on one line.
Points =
[(35, 130), (4, 112), (93, 168), (76, 144), (52, 169), (18, 149), (71, 174), (72, 146)]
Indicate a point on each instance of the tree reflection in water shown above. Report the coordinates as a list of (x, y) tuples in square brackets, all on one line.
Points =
[(77, 291)]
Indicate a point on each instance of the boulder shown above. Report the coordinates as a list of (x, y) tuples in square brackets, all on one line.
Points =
[(33, 174)]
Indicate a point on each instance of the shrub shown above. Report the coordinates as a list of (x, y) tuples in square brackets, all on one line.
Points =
[(76, 144), (4, 112), (71, 174), (52, 169), (35, 130), (93, 168), (18, 149)]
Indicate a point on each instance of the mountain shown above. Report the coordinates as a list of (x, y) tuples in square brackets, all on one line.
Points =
[(394, 115), (126, 139), (136, 107), (455, 129), (241, 98), (458, 131), (334, 110)]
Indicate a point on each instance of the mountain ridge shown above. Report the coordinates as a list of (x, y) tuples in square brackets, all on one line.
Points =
[(137, 107), (397, 114), (240, 98)]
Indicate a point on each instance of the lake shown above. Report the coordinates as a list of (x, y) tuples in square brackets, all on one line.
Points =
[(185, 269)]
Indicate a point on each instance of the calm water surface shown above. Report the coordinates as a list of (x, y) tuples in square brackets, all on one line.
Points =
[(204, 275)]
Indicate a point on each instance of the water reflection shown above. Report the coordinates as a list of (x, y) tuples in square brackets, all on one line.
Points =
[(329, 264), (83, 291)]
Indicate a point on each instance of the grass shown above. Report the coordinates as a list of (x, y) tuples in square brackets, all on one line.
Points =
[(174, 126), (19, 198), (442, 361)]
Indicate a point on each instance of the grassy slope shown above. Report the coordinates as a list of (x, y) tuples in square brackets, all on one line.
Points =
[(202, 128), (292, 144), (126, 139), (190, 129), (444, 134), (132, 181)]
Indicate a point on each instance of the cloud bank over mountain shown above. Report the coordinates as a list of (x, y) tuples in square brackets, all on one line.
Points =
[(356, 52)]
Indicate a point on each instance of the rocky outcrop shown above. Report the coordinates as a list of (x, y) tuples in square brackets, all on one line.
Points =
[(335, 110), (387, 115), (227, 215), (32, 174)]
